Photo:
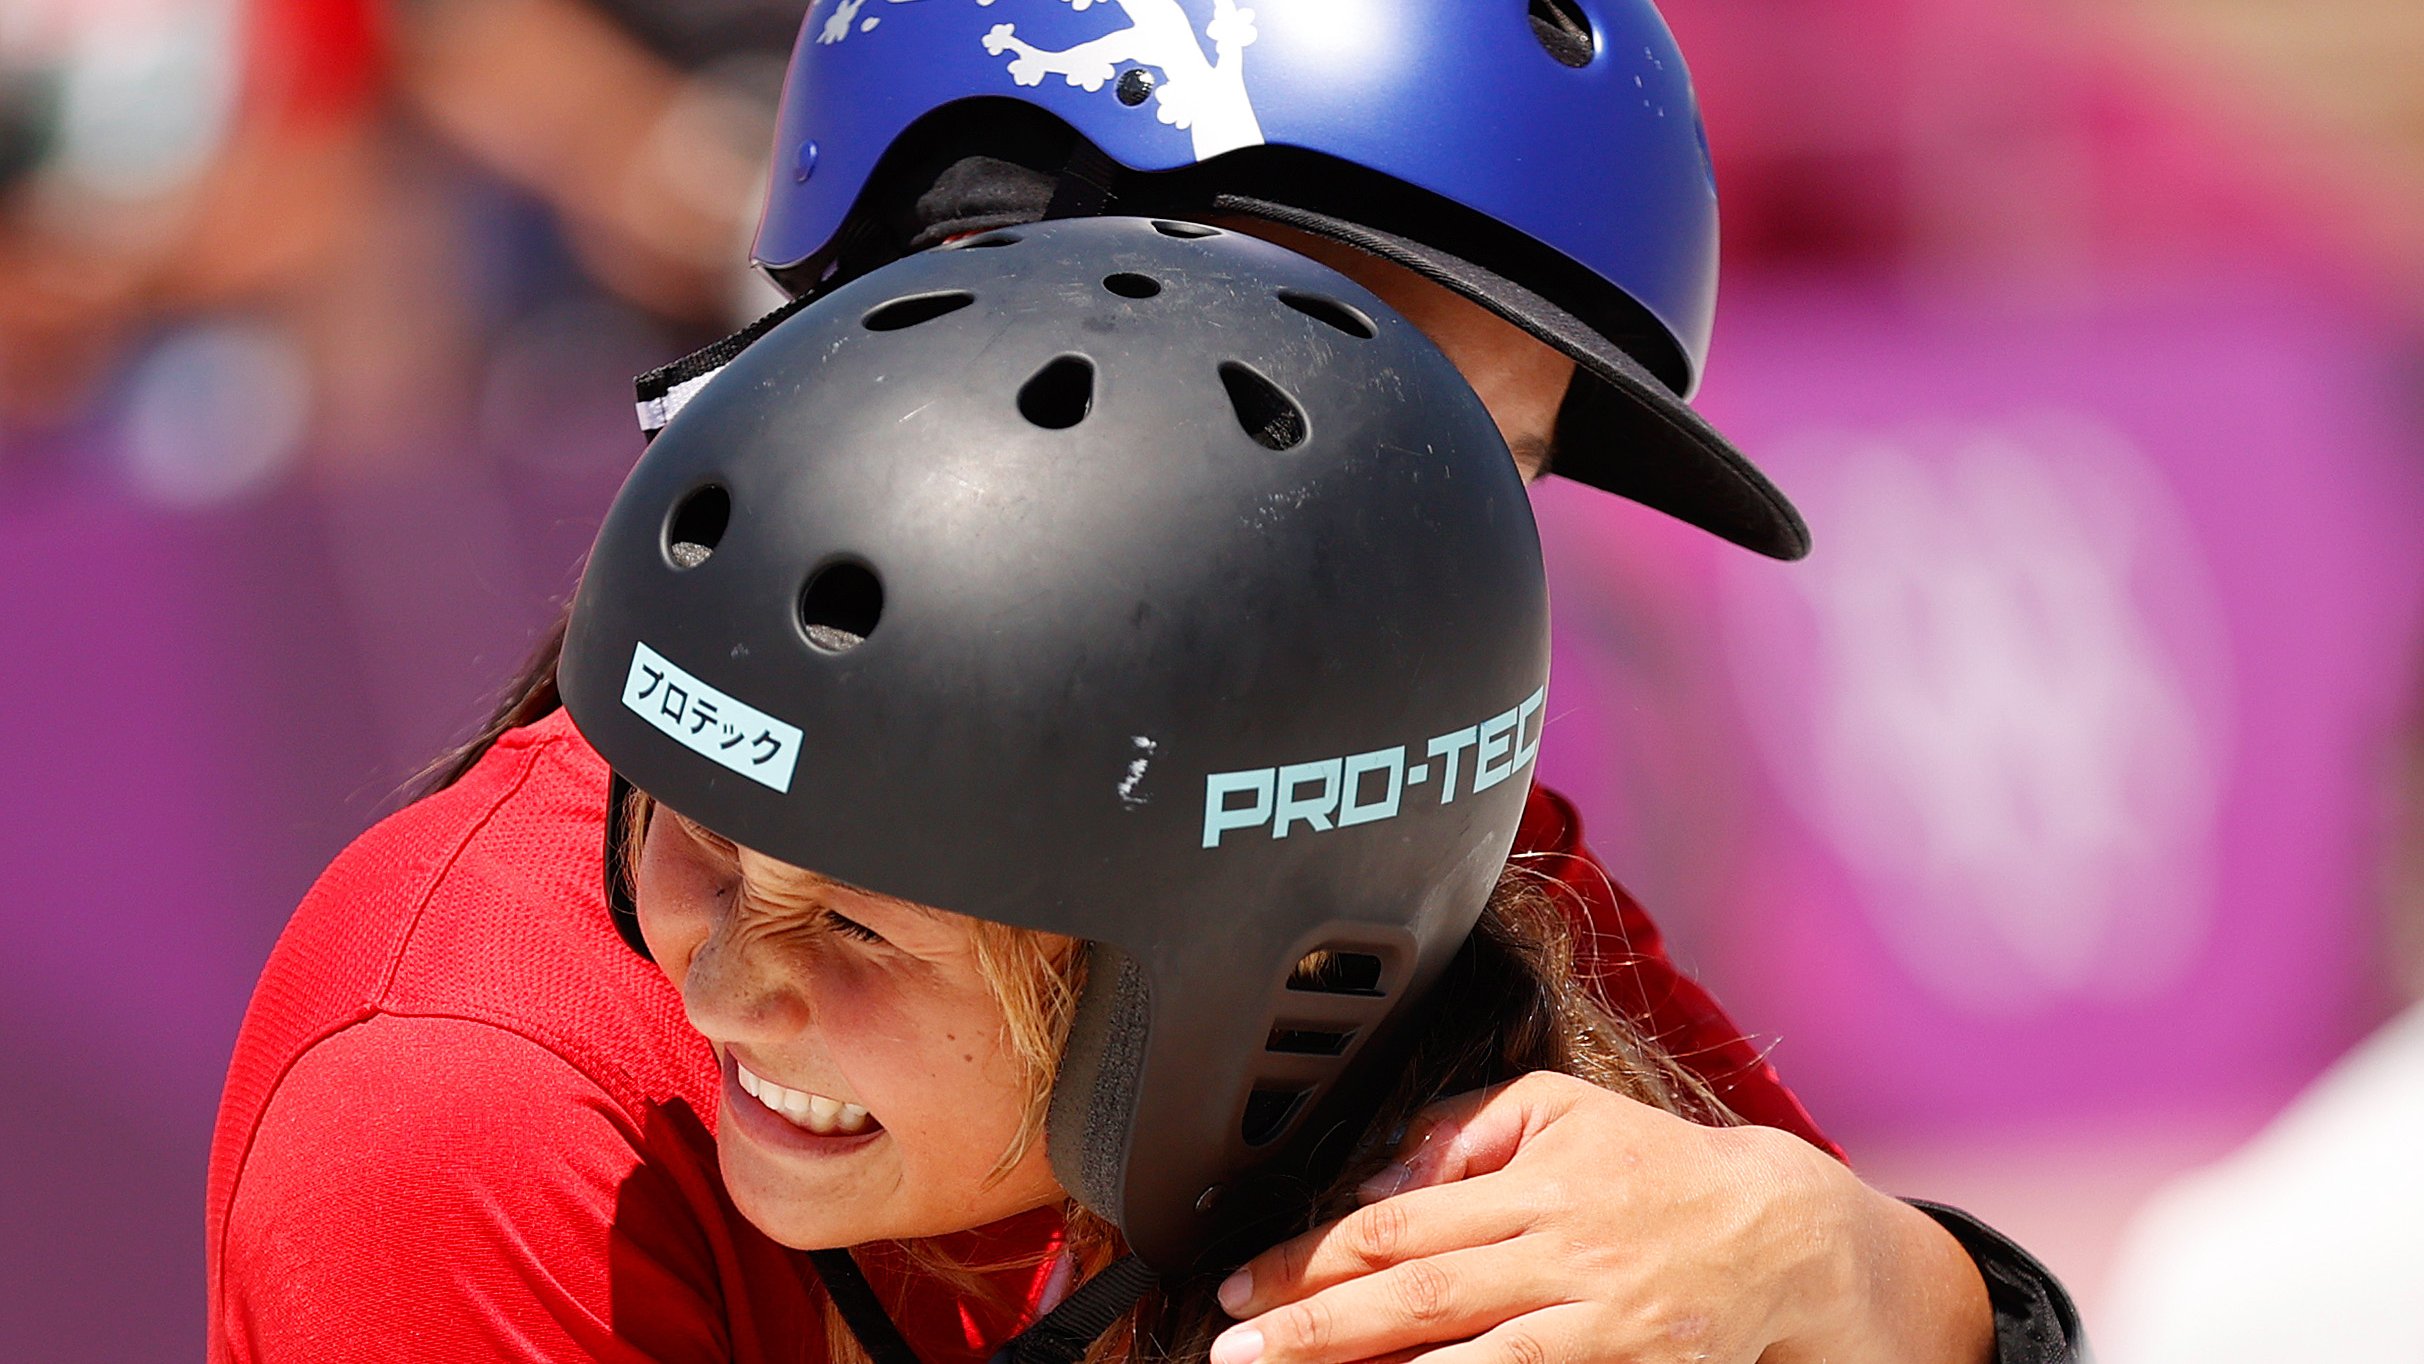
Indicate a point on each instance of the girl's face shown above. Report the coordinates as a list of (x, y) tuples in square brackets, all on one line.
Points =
[(870, 1090)]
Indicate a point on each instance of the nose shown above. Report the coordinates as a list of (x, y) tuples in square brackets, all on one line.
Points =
[(721, 955), (739, 988)]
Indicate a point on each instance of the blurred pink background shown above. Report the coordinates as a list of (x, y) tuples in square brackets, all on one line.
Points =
[(2054, 818)]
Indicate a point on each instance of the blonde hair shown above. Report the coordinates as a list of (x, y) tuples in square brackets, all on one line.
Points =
[(1510, 1003)]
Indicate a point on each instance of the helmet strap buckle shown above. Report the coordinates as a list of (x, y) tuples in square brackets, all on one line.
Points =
[(1088, 183)]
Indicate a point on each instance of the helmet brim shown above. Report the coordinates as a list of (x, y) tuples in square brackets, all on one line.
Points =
[(1620, 429)]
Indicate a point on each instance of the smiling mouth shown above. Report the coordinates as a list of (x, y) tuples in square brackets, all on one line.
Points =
[(816, 1113)]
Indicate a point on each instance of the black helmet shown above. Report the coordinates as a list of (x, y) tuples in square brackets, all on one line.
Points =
[(1126, 579)]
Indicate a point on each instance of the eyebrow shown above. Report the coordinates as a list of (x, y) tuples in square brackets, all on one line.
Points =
[(732, 849), (822, 882)]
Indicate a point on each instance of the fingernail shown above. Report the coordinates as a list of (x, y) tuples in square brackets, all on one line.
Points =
[(1237, 1345), (1235, 1292), (1386, 1181)]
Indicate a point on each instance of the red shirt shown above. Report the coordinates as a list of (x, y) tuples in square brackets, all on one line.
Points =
[(465, 1122)]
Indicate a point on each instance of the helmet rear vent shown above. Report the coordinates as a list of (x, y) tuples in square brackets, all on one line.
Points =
[(1060, 395), (697, 526), (1183, 231), (1331, 312), (1130, 285), (1268, 1113), (841, 605), (1270, 416), (912, 309), (1564, 31), (1309, 1041), (1337, 973)]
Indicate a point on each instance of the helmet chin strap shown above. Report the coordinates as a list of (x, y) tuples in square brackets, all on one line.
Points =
[(1060, 1336), (861, 1312), (1088, 184)]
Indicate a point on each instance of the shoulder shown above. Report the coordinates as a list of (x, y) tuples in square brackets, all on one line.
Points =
[(1550, 825), (1549, 845), (428, 1180), (342, 943), (1624, 953), (484, 901), (456, 965), (434, 1104)]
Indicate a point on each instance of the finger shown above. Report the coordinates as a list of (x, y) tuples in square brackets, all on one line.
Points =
[(1476, 1133), (1431, 1301), (1413, 1225), (1553, 1335)]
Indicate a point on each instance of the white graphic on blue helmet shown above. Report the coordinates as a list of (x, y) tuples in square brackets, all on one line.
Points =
[(837, 24), (845, 18), (1203, 97)]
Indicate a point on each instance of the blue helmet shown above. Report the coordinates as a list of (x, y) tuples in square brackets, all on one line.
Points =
[(1544, 158)]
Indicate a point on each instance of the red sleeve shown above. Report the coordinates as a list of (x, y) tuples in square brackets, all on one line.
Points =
[(440, 1190), (1628, 957)]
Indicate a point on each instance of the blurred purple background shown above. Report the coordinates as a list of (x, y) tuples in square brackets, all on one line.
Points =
[(2049, 817)]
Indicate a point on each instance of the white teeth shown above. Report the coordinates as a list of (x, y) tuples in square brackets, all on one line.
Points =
[(816, 1112)]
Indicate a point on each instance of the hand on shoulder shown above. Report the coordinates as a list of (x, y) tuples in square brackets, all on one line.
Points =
[(1550, 1219)]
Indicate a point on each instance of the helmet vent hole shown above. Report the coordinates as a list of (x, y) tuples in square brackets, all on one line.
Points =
[(1564, 31), (1060, 395), (1331, 313), (1270, 416), (1128, 285), (989, 239), (1337, 973), (1183, 231), (1268, 1113), (910, 310), (840, 606), (697, 526), (1309, 1041)]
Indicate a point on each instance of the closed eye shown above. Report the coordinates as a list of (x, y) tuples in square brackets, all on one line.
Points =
[(851, 928)]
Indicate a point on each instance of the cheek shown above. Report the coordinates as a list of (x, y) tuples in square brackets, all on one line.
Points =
[(937, 1071), (1522, 381), (1524, 393)]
